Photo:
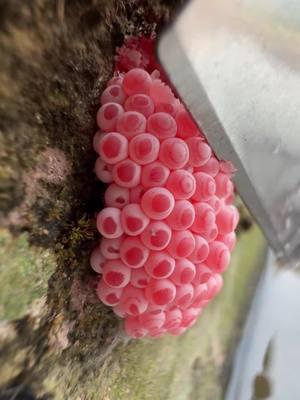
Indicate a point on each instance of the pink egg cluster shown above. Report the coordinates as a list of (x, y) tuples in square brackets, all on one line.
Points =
[(168, 225)]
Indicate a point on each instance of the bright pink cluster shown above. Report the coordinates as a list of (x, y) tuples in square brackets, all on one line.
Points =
[(168, 226)]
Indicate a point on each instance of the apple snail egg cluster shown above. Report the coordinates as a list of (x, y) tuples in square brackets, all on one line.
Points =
[(168, 225)]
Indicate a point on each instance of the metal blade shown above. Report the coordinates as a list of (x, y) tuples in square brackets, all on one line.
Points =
[(236, 66)]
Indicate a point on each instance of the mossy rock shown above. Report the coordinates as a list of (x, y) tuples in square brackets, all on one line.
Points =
[(24, 274)]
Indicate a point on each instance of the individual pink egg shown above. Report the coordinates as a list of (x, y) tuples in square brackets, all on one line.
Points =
[(157, 333), (144, 148), (154, 174), (229, 240), (136, 193), (139, 278), (200, 295), (186, 126), (116, 196), (205, 187), (177, 331), (182, 184), (133, 219), (134, 329), (170, 108), (227, 220), (157, 203), (190, 316), (108, 115), (113, 147), (229, 199), (153, 320), (162, 125), (174, 153), (113, 94), (131, 123), (133, 253), (203, 273), (140, 103), (211, 167), (182, 244), (159, 265), (182, 216), (96, 139), (133, 300), (228, 168), (219, 257), (157, 235), (199, 151), (103, 171), (155, 308), (160, 291), (204, 218), (184, 295), (201, 250), (109, 223), (184, 272), (116, 274), (108, 295), (224, 186), (215, 203), (118, 310), (127, 173), (110, 248), (210, 234), (137, 81), (173, 318), (155, 74), (214, 284), (97, 260), (116, 80), (211, 286)]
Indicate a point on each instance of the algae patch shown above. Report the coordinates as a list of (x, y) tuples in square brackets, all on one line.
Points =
[(24, 274)]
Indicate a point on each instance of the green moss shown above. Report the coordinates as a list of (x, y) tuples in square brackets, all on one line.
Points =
[(24, 274), (58, 98)]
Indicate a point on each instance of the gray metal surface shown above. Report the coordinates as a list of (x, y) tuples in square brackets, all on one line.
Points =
[(236, 66), (266, 362)]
